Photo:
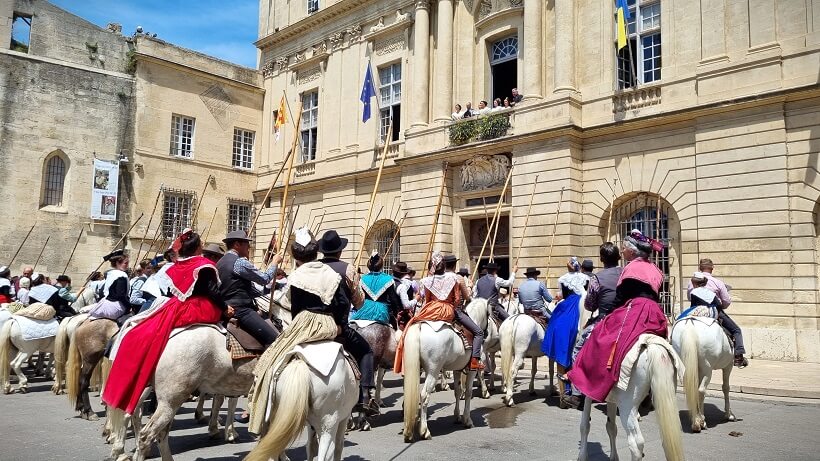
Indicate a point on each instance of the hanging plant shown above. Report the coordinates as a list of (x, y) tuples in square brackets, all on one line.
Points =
[(462, 132), (493, 126)]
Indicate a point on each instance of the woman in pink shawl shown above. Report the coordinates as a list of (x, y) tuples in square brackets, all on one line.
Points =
[(597, 368)]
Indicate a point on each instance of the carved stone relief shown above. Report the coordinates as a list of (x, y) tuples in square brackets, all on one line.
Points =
[(484, 171), (355, 33), (516, 3), (336, 40), (485, 8), (390, 45), (309, 75)]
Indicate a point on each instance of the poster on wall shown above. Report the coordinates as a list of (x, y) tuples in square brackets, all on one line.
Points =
[(104, 187)]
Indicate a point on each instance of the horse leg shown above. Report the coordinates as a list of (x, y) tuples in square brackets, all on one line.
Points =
[(468, 396), (17, 365), (231, 435), (312, 445), (327, 445), (50, 372), (491, 369), (84, 402), (552, 390), (164, 446), (213, 421), (611, 427), (199, 413), (532, 375), (727, 410), (159, 422), (379, 384), (482, 382), (427, 389), (458, 392), (629, 419), (39, 363), (340, 440), (517, 364), (700, 418), (586, 418)]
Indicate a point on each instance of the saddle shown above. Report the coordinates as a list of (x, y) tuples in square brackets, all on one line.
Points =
[(242, 344), (463, 333), (538, 316)]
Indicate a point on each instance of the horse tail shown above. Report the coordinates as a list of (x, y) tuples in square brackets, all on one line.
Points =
[(663, 384), (5, 346), (72, 371), (412, 375), (691, 382), (290, 413), (507, 353), (101, 371)]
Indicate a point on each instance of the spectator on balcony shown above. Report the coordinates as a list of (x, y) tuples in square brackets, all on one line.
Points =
[(469, 112), (482, 108), (516, 98), (507, 104), (497, 105), (457, 112)]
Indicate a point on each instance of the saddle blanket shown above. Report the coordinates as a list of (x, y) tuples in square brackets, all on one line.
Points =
[(437, 325), (4, 315), (360, 324), (36, 329), (216, 326), (631, 358)]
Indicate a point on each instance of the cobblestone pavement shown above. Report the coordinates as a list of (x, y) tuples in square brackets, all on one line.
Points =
[(42, 426)]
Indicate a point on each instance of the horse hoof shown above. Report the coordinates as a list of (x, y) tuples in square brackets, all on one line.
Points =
[(731, 417), (696, 428), (485, 395), (427, 436), (408, 438), (468, 424), (23, 390), (365, 427), (510, 403), (213, 435)]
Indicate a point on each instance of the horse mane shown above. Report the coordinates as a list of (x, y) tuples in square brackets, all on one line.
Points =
[(479, 310)]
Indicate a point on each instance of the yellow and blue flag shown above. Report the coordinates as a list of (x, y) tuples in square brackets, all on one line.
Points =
[(622, 11), (368, 91)]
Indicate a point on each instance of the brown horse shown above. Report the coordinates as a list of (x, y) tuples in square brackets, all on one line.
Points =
[(382, 340), (85, 352)]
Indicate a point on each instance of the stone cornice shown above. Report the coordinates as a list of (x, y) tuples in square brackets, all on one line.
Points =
[(193, 70), (312, 22)]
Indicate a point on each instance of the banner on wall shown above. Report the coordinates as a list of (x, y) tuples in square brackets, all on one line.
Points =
[(104, 187)]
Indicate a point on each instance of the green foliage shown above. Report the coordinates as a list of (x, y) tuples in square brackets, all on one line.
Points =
[(480, 128), (131, 62), (462, 132)]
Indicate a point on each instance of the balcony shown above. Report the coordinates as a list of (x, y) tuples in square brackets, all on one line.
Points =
[(481, 128)]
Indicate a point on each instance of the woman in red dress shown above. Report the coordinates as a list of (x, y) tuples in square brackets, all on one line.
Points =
[(194, 285)]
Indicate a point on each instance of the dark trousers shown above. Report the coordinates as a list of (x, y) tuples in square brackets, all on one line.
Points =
[(250, 321), (478, 335), (358, 347), (149, 299), (733, 330), (500, 312)]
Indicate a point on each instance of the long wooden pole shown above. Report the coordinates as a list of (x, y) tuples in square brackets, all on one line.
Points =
[(493, 222), (658, 219), (41, 253), (112, 249), (287, 185), (429, 253), (280, 235), (82, 229), (154, 241), (375, 191), (210, 224), (555, 227), (396, 235), (150, 220), (611, 211), (199, 203), (21, 244), (526, 222), (486, 214), (319, 224)]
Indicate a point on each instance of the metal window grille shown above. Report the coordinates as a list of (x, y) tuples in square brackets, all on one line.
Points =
[(504, 50), (243, 148), (239, 216), (312, 6), (642, 214), (640, 61), (382, 236), (182, 136), (310, 125), (390, 97), (176, 213), (54, 182)]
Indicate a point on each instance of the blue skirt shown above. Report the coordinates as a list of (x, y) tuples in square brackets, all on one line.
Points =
[(559, 340)]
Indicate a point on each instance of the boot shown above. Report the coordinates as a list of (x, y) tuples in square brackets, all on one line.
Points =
[(475, 364), (368, 404), (740, 361)]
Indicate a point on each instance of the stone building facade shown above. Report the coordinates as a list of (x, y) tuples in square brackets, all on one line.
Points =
[(704, 132)]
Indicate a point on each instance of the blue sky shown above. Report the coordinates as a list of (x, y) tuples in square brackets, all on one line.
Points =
[(224, 29)]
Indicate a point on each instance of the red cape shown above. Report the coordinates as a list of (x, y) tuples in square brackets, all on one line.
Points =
[(593, 372)]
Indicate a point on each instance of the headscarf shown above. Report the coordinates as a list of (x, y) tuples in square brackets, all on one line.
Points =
[(644, 243), (183, 236), (436, 260)]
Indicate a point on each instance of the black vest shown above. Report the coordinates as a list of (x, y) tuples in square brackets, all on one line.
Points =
[(236, 291), (340, 267), (608, 281), (486, 289)]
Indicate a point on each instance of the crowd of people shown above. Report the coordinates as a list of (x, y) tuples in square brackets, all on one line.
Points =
[(484, 108)]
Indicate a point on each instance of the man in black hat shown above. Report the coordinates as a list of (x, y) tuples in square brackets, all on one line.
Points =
[(331, 246), (462, 317), (533, 295), (237, 276), (213, 252), (488, 285), (404, 288)]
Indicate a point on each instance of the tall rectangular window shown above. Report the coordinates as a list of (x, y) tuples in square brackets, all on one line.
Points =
[(640, 61), (390, 100), (176, 213), (310, 125), (243, 148), (20, 33), (182, 136), (312, 6), (239, 216)]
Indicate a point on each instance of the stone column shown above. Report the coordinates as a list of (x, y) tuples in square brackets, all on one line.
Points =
[(444, 62), (564, 62), (761, 23), (421, 64), (533, 54), (713, 30)]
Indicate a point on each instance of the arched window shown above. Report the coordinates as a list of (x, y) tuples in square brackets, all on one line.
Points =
[(654, 219), (504, 67), (504, 50), (381, 235), (54, 180)]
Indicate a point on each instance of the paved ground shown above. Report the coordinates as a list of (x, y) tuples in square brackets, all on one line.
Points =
[(41, 426)]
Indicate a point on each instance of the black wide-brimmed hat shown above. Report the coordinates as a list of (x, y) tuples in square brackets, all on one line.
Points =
[(491, 266), (464, 272), (237, 235), (532, 271), (331, 242), (400, 268), (213, 248), (114, 254), (449, 259)]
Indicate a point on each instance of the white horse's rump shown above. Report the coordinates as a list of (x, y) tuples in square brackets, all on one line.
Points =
[(432, 350), (704, 347), (521, 336), (653, 370), (61, 344), (13, 345)]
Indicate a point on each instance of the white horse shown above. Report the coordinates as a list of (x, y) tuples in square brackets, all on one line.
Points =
[(480, 310), (432, 349), (13, 344), (704, 347), (653, 370), (521, 336)]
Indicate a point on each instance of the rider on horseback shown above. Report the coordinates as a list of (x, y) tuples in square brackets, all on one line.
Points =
[(533, 295), (488, 285), (381, 302), (115, 304), (461, 315), (405, 292)]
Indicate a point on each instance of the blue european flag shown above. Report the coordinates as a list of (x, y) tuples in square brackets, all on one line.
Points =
[(368, 91)]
